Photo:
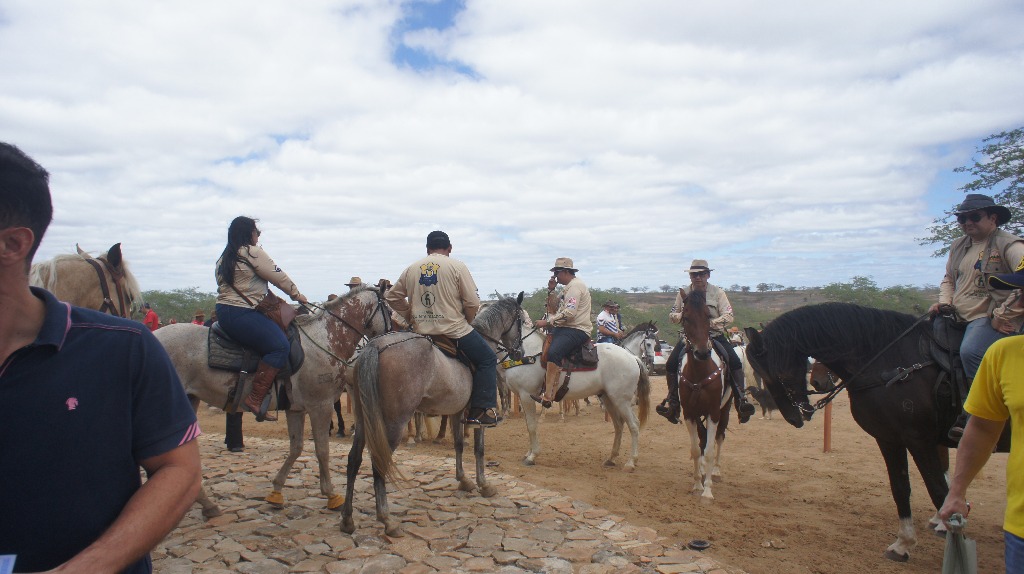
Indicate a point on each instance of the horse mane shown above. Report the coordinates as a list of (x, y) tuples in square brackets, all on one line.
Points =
[(641, 327), (696, 298), (490, 316), (332, 305), (833, 332)]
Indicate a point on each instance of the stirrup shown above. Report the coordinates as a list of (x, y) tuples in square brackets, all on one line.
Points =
[(543, 402), (264, 414)]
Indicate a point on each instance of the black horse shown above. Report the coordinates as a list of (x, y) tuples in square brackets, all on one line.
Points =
[(884, 357)]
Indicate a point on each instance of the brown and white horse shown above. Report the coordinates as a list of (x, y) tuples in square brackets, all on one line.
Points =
[(703, 394), (103, 283)]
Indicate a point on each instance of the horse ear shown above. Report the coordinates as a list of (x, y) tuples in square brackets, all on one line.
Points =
[(80, 252), (754, 336), (519, 299), (114, 256)]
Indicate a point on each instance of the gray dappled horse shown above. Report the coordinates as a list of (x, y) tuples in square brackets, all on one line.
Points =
[(401, 373), (103, 283), (329, 337)]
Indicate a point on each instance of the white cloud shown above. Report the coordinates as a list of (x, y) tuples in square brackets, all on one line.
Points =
[(788, 143)]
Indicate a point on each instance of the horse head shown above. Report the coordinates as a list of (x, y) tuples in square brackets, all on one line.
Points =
[(785, 377), (501, 323), (696, 322)]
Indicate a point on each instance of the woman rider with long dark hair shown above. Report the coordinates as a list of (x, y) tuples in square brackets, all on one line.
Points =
[(243, 272)]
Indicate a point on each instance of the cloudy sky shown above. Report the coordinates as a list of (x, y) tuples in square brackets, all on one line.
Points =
[(798, 143)]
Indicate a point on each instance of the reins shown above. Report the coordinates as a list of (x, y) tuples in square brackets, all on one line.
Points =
[(846, 382), (344, 321)]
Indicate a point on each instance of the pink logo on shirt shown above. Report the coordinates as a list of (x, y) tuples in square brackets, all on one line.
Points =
[(72, 403)]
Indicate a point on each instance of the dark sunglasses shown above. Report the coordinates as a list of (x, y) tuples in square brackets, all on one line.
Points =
[(974, 216)]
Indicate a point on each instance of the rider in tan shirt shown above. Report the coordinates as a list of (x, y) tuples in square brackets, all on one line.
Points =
[(571, 323), (437, 296)]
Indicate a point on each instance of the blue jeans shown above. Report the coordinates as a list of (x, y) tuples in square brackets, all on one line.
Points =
[(978, 337), (565, 340), (1014, 552), (253, 329), (485, 378)]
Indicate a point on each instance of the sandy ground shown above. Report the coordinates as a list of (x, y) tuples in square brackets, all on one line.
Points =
[(783, 507)]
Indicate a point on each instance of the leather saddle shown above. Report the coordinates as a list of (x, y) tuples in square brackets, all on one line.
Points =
[(227, 354), (450, 348), (583, 358)]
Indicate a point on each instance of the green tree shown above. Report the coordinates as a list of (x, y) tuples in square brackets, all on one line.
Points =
[(864, 291), (1001, 164), (180, 304)]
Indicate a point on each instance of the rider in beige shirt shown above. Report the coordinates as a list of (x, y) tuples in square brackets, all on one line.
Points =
[(571, 322), (437, 296)]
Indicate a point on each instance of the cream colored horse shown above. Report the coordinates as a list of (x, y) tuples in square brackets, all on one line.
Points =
[(103, 283)]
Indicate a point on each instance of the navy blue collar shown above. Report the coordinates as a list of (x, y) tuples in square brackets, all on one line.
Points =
[(57, 321)]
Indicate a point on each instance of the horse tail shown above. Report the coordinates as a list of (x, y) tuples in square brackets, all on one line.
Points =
[(369, 414), (643, 394)]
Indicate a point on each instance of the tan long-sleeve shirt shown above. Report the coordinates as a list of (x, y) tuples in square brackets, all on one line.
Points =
[(437, 296), (574, 307), (253, 271)]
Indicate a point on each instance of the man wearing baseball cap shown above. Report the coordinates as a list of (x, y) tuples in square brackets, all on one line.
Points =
[(983, 251)]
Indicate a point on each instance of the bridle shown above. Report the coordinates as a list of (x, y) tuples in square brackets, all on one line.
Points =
[(516, 352), (380, 307), (124, 301)]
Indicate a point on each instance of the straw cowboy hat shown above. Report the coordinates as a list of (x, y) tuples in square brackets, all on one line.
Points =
[(976, 201), (354, 281), (699, 266), (564, 263)]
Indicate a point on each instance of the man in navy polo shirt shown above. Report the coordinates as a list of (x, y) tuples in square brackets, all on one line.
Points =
[(92, 398)]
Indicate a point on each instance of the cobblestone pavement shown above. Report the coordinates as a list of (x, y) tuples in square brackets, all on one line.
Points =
[(523, 529)]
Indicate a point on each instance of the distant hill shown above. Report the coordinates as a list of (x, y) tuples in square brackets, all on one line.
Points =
[(751, 308)]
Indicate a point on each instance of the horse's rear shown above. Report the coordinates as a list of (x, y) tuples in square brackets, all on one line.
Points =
[(395, 376)]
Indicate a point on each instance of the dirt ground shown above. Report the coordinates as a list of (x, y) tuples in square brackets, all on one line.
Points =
[(783, 506)]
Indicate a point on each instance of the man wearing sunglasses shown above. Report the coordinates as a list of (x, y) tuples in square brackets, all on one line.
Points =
[(983, 251)]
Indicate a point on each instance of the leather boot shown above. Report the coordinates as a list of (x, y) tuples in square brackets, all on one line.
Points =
[(550, 382), (672, 411), (260, 387), (743, 408)]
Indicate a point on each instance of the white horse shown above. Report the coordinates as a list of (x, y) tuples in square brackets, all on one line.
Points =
[(640, 340), (619, 378), (329, 338)]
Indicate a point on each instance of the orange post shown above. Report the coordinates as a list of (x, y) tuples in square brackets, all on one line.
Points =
[(828, 428)]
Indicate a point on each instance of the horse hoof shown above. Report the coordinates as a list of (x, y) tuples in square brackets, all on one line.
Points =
[(896, 557), (488, 491), (335, 502), (394, 531), (706, 499), (212, 512), (467, 486), (716, 478), (609, 464), (528, 462), (348, 526), (629, 467), (275, 498)]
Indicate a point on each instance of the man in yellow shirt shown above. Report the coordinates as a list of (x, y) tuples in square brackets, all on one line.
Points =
[(996, 395)]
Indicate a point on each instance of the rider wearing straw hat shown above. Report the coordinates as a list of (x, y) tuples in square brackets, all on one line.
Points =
[(721, 315), (571, 322), (354, 282)]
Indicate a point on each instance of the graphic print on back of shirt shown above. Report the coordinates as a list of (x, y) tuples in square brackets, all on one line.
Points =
[(428, 274)]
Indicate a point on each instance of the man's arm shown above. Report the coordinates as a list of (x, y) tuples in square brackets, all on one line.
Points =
[(396, 298), (976, 446), (151, 513)]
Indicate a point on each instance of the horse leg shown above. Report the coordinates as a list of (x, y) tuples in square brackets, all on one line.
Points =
[(296, 428), (318, 415), (530, 414), (695, 454), (341, 421), (709, 458), (441, 431), (617, 443), (634, 434), (380, 494), (355, 460), (459, 438), (486, 490), (723, 423), (932, 466), (895, 456), (210, 509)]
